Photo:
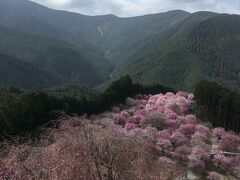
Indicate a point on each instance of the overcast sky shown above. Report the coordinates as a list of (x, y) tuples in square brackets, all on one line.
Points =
[(127, 8)]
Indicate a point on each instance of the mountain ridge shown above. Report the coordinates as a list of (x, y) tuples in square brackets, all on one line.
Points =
[(159, 45)]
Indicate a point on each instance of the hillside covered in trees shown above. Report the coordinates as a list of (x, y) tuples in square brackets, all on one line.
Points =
[(203, 46), (22, 112), (15, 72), (175, 48)]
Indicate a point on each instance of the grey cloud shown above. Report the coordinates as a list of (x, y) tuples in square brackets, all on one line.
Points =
[(140, 7)]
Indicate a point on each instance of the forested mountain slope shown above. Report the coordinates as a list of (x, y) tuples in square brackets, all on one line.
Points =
[(15, 72), (205, 45), (49, 47), (110, 34), (175, 48), (58, 57)]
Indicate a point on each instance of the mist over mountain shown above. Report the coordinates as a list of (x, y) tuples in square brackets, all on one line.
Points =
[(175, 48)]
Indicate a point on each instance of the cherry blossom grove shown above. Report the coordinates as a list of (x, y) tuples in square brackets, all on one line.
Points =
[(179, 135), (150, 137)]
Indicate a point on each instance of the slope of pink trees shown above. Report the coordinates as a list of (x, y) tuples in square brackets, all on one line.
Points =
[(150, 137), (178, 135), (88, 151)]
